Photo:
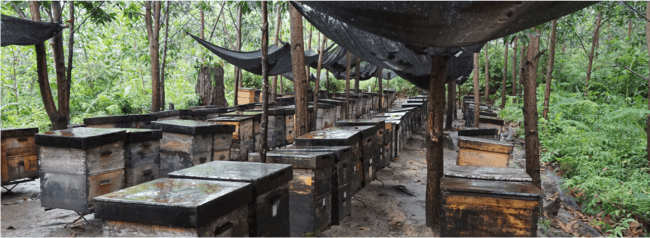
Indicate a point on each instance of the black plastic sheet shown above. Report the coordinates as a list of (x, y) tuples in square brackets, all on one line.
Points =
[(18, 31)]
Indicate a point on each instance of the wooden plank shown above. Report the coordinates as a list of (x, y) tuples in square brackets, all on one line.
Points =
[(485, 145)]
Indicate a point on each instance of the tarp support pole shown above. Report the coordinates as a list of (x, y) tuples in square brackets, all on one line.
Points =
[(436, 105)]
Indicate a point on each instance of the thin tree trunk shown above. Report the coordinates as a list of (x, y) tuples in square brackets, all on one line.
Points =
[(164, 57), (451, 93), (381, 90), (522, 65), (514, 68), (20, 11), (202, 26), (317, 83), (299, 81), (153, 32), (41, 69), (505, 76), (225, 29), (530, 111), (216, 22), (70, 54), (63, 86), (594, 41), (357, 75), (265, 82), (549, 72), (278, 24), (647, 38), (629, 29), (347, 88), (15, 82), (477, 102), (239, 71), (434, 140), (487, 76)]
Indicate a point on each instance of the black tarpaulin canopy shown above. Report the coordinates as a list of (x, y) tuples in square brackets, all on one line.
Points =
[(17, 31)]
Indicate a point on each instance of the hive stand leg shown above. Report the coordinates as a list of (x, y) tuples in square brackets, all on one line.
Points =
[(434, 145), (9, 189)]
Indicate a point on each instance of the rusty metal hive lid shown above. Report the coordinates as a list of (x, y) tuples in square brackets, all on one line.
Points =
[(18, 132), (259, 175), (173, 202), (479, 186), (80, 137), (187, 127), (109, 119)]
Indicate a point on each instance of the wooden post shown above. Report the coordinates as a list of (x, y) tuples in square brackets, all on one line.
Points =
[(299, 81), (549, 72), (487, 75), (265, 83), (274, 83), (514, 68), (530, 111), (381, 89), (347, 88), (477, 102), (434, 139), (357, 76), (505, 76), (451, 94)]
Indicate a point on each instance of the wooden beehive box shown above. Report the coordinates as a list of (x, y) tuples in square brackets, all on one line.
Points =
[(19, 155), (339, 109), (241, 141), (78, 164), (482, 152), (269, 208), (370, 152), (173, 115), (205, 113), (125, 121), (379, 139), (248, 95), (310, 190), (341, 176), (276, 135), (176, 207), (185, 143), (350, 111), (141, 156), (325, 116), (408, 121), (257, 124), (143, 121), (481, 201), (490, 122), (482, 133), (290, 113)]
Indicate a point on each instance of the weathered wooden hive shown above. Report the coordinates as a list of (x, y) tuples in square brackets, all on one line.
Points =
[(488, 201), (241, 141), (380, 138), (277, 132), (141, 156), (169, 207), (186, 143), (341, 177), (482, 152), (399, 122), (482, 133), (339, 138), (290, 113), (78, 164), (420, 113), (268, 214), (408, 119), (490, 122), (310, 190), (248, 95), (285, 100), (143, 121), (339, 110), (124, 121), (373, 101), (326, 115), (257, 125), (369, 149), (388, 98), (173, 115), (19, 155)]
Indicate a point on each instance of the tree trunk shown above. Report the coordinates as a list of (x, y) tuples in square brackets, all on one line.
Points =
[(211, 94), (381, 90), (522, 65), (63, 85), (41, 69), (299, 80), (530, 111), (514, 68), (594, 41), (647, 39), (357, 75), (451, 93), (317, 83), (347, 87), (477, 102), (434, 140), (239, 71), (202, 26), (309, 39), (70, 54), (549, 72), (487, 76), (164, 57), (274, 82), (153, 31), (265, 83), (505, 76)]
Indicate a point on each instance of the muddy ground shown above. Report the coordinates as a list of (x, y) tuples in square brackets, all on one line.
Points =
[(393, 205)]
